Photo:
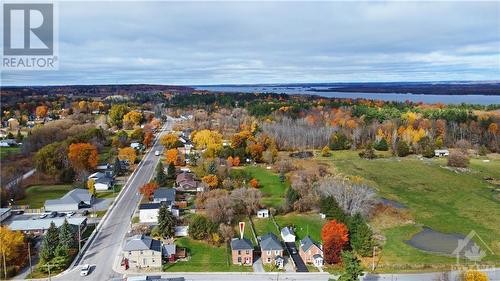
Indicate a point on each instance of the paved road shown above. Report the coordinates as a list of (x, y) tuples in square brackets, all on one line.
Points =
[(104, 247)]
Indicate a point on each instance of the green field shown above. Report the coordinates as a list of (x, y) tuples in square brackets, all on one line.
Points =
[(204, 258), (4, 151), (273, 191), (37, 194), (437, 197), (305, 224)]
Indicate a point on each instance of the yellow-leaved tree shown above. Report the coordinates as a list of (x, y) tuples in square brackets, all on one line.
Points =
[(209, 140), (12, 247)]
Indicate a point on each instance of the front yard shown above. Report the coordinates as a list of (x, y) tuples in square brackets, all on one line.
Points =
[(204, 258)]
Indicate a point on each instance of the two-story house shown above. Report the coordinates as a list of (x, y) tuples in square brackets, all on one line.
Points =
[(142, 251), (311, 252), (271, 250), (242, 251)]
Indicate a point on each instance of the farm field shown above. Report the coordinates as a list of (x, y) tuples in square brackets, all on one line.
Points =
[(445, 200), (204, 258), (37, 194)]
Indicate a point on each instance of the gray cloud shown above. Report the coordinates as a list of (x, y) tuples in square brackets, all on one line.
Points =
[(257, 42)]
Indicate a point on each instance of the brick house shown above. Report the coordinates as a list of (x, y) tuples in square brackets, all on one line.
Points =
[(242, 251), (271, 249), (311, 252)]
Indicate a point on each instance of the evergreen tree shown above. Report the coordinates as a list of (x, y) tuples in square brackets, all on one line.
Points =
[(49, 244), (212, 168), (360, 236), (282, 176), (381, 145), (339, 141), (66, 236), (117, 167), (291, 196), (166, 222), (352, 267), (332, 210), (161, 177), (171, 170), (402, 149)]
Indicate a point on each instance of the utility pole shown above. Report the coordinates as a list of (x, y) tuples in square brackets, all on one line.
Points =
[(79, 240), (29, 257), (373, 258), (4, 264), (48, 266)]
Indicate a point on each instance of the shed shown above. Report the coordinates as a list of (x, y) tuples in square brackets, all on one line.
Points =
[(288, 234)]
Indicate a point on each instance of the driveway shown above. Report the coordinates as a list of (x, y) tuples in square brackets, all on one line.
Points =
[(299, 263), (257, 265)]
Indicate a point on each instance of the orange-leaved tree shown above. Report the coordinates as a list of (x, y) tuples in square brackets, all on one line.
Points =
[(82, 156), (211, 180), (254, 183), (148, 189), (41, 111), (148, 139), (335, 237), (172, 156), (127, 153)]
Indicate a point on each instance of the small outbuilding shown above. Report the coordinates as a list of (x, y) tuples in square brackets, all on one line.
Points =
[(263, 213), (441, 152), (287, 234)]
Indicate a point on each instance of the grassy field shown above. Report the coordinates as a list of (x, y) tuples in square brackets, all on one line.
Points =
[(204, 258), (273, 190), (4, 151), (37, 194), (443, 199), (305, 224)]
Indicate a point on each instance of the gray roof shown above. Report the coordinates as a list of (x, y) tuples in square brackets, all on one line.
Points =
[(142, 242), (105, 180), (169, 249), (74, 196), (270, 242), (149, 206), (168, 193), (287, 231), (43, 224), (241, 244), (307, 243), (4, 210), (97, 175)]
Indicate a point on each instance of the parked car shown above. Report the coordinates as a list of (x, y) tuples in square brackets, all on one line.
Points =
[(61, 214), (85, 270), (42, 216), (85, 212), (52, 214), (157, 153), (70, 214)]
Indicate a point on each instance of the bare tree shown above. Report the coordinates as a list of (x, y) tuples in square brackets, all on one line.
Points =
[(246, 199), (352, 198), (226, 231)]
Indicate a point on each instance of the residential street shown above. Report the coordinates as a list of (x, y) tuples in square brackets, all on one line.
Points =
[(104, 248)]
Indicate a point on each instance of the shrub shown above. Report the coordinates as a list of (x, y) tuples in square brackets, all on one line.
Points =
[(368, 153), (428, 152), (402, 149), (474, 275), (483, 150), (339, 141), (458, 159), (381, 145)]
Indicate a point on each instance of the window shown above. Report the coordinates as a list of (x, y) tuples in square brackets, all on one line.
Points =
[(247, 252), (268, 260), (239, 252), (269, 252), (129, 253), (141, 252), (276, 252), (239, 259)]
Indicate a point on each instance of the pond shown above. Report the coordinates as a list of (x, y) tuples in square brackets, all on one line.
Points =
[(437, 242)]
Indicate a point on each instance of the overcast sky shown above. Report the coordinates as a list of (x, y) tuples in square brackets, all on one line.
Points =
[(272, 42)]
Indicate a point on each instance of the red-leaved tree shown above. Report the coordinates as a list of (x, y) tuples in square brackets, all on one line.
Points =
[(335, 238), (148, 189)]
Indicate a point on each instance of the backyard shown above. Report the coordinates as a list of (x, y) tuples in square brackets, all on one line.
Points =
[(37, 194), (273, 191)]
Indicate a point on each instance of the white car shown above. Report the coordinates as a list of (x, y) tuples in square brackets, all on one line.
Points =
[(84, 271), (157, 153), (69, 215)]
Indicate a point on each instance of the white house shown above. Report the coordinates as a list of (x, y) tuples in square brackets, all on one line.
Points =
[(263, 213), (441, 152), (71, 201), (135, 145), (148, 212), (287, 234), (104, 183)]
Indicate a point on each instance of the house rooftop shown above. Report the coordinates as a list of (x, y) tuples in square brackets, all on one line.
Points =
[(287, 231), (149, 206), (43, 224), (270, 242), (76, 195), (142, 242), (307, 243), (168, 193), (241, 244)]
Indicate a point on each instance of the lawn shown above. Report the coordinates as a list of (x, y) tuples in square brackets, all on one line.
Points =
[(437, 197), (4, 151), (37, 194), (272, 189), (204, 258)]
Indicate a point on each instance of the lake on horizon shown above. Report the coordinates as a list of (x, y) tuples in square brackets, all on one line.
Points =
[(300, 90)]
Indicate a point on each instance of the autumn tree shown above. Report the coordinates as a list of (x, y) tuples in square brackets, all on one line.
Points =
[(12, 248), (82, 157), (137, 135), (335, 237), (475, 275), (325, 151), (52, 158), (172, 156), (41, 111), (209, 140), (169, 141), (127, 153), (148, 189), (254, 183), (458, 159), (132, 118), (116, 114), (339, 141), (148, 139), (211, 180), (91, 186)]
